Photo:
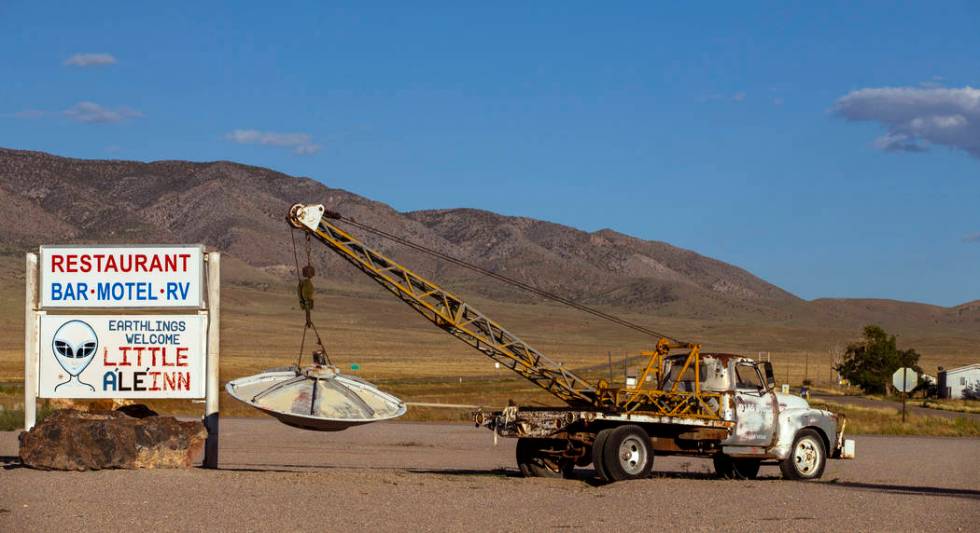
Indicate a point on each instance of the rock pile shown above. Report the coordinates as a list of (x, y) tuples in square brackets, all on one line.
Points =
[(76, 440)]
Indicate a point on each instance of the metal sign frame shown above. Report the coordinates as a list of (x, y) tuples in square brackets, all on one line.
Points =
[(210, 309)]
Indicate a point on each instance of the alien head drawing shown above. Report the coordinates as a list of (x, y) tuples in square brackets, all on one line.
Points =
[(75, 344)]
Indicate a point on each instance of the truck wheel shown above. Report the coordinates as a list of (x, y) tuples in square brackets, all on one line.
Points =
[(534, 459), (807, 458), (597, 461), (627, 454), (731, 468)]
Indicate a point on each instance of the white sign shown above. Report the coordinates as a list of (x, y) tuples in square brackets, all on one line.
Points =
[(124, 356), (122, 276), (905, 379)]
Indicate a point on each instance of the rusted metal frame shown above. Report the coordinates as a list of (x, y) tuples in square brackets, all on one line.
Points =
[(460, 313), (537, 376), (514, 361), (429, 293), (688, 406), (697, 371), (634, 401), (687, 363), (503, 339), (651, 397), (379, 264), (367, 265), (704, 404), (653, 361)]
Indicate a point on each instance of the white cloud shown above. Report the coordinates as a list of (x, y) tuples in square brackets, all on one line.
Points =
[(917, 117), (898, 142), (301, 143), (90, 60), (92, 113)]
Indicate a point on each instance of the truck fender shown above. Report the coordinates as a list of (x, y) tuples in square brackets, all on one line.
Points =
[(791, 421)]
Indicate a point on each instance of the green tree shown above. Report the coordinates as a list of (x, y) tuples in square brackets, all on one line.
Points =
[(870, 363)]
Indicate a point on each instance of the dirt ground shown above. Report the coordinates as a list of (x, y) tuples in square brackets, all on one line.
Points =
[(438, 477)]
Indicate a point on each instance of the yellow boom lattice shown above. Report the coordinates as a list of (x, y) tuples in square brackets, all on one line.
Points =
[(452, 314), (466, 323)]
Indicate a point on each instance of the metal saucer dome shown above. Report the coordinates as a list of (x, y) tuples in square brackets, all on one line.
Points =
[(316, 397)]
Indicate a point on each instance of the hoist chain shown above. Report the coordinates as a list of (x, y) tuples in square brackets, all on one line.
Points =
[(305, 291)]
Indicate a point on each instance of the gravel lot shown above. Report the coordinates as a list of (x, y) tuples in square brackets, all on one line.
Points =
[(403, 476)]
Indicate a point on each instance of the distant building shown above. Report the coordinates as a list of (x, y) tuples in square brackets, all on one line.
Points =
[(953, 382)]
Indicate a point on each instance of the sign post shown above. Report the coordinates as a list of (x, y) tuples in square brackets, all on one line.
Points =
[(170, 353), (30, 343), (213, 392), (905, 379)]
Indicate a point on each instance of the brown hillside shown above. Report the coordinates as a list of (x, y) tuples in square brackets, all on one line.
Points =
[(239, 210)]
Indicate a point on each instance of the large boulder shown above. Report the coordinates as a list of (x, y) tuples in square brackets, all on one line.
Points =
[(76, 440)]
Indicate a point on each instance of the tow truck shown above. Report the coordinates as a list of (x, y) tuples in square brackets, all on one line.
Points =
[(715, 405)]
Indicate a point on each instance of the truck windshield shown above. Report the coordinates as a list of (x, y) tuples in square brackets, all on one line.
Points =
[(747, 377)]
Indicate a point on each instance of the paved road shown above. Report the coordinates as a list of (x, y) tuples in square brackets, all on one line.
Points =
[(405, 477)]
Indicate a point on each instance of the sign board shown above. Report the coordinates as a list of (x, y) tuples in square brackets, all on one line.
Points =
[(905, 379), (135, 276), (122, 356)]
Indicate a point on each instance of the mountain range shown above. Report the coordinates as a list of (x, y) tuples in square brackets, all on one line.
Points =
[(240, 209)]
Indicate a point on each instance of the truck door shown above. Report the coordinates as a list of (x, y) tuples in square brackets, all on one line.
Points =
[(754, 406)]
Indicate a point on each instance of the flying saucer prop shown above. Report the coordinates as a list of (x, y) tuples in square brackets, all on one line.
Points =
[(316, 397)]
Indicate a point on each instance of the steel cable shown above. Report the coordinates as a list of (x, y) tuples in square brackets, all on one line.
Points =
[(510, 281)]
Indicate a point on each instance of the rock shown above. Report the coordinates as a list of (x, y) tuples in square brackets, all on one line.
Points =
[(74, 440)]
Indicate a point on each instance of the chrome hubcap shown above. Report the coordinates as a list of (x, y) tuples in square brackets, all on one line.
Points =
[(807, 457), (632, 455)]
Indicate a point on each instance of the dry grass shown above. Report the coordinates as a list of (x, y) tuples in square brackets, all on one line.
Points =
[(887, 421), (957, 406), (406, 355), (13, 420)]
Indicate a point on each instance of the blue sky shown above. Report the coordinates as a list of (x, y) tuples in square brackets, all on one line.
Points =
[(832, 149)]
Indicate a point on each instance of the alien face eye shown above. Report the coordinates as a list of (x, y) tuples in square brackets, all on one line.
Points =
[(87, 350), (63, 349)]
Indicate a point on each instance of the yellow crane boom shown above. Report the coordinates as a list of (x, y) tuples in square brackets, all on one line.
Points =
[(652, 394), (444, 309)]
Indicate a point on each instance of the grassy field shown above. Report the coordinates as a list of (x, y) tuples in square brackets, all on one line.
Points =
[(956, 406), (888, 421), (404, 354)]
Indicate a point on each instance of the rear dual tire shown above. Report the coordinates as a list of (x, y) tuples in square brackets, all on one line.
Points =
[(622, 453), (541, 458)]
